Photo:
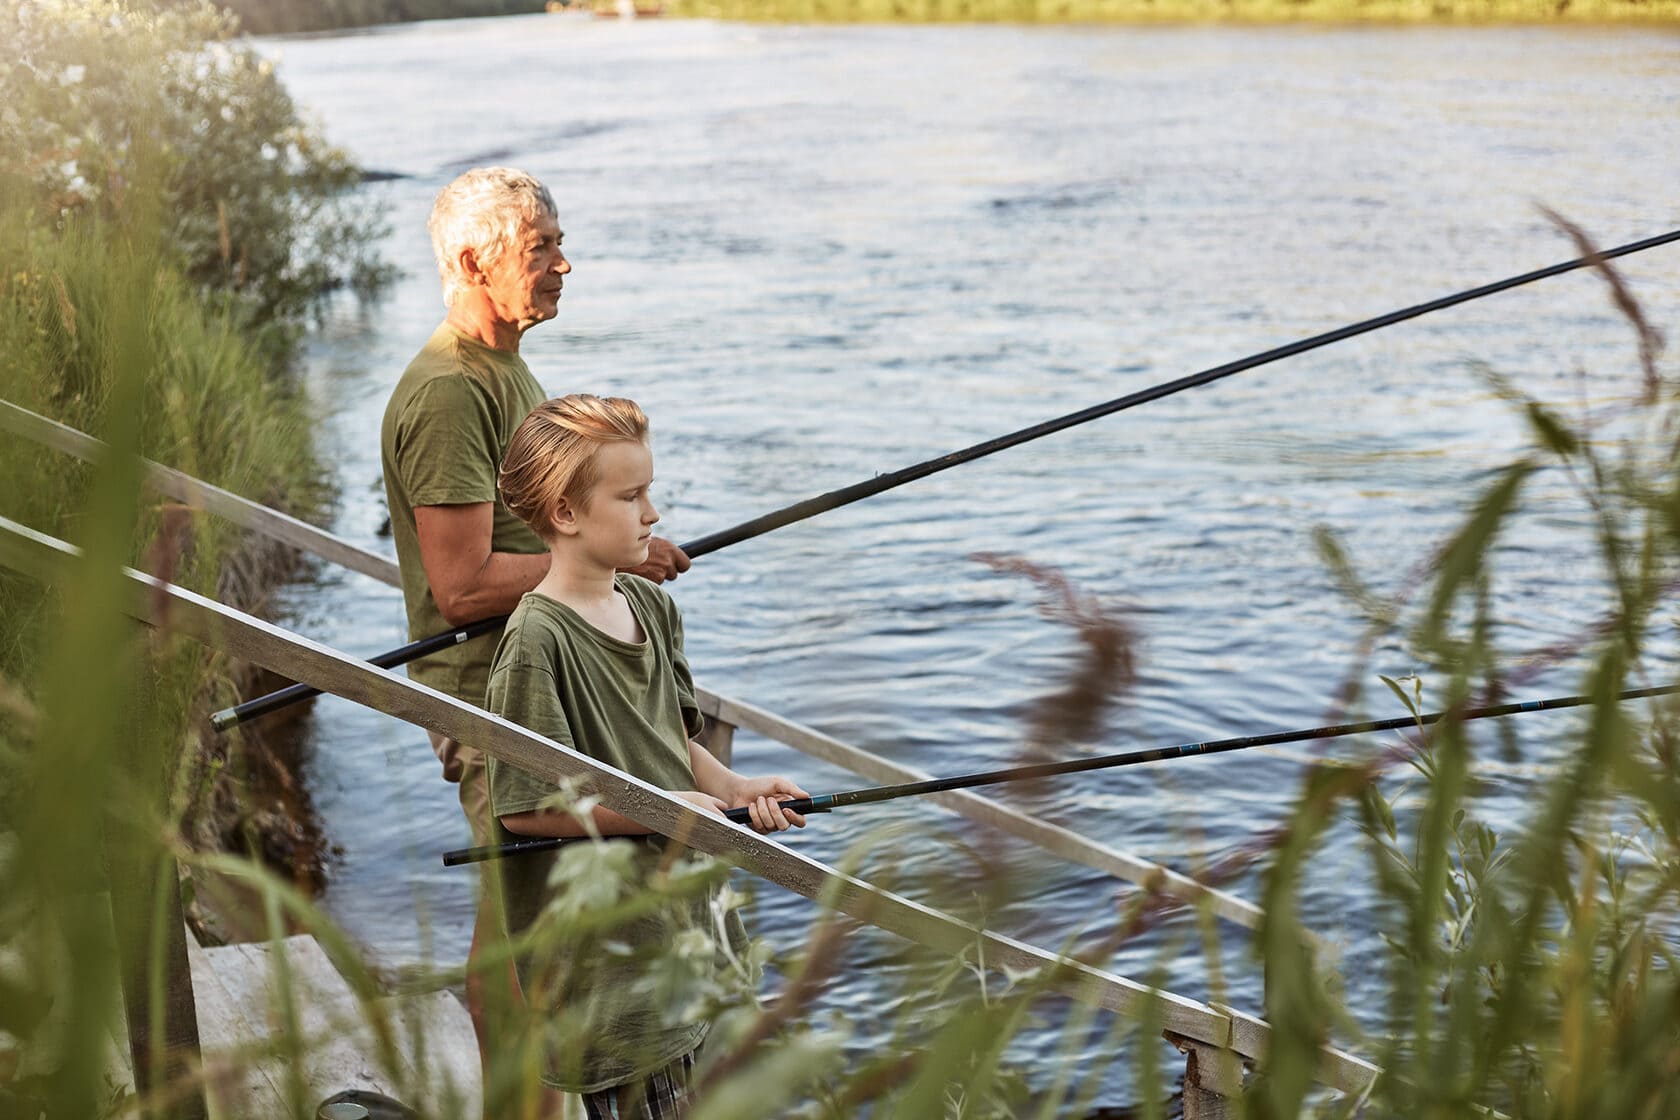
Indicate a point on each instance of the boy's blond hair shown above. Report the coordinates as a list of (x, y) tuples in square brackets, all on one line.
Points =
[(552, 454)]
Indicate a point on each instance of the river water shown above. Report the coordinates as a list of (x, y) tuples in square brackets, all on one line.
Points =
[(817, 253)]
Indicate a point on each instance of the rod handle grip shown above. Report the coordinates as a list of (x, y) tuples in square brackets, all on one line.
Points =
[(488, 852), (459, 856), (800, 805)]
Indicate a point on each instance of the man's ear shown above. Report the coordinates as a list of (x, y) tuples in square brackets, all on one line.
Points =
[(467, 259), (564, 520)]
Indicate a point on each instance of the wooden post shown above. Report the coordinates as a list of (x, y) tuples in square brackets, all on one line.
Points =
[(1213, 1079), (146, 913), (150, 907), (719, 738)]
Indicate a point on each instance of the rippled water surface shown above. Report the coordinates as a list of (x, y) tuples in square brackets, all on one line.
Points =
[(814, 254)]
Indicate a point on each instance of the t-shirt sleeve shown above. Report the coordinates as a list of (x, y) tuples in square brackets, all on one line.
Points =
[(446, 449), (693, 721), (528, 696)]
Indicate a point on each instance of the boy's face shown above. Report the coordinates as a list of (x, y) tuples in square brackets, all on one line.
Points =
[(615, 521)]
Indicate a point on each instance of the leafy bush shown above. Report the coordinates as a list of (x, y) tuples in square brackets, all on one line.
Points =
[(101, 101)]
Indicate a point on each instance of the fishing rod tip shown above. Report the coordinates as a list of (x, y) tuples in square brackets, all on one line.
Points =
[(224, 719)]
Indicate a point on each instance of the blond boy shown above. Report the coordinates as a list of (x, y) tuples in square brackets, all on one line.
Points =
[(593, 658)]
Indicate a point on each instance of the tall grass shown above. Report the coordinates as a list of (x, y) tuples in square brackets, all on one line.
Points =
[(117, 138), (99, 329)]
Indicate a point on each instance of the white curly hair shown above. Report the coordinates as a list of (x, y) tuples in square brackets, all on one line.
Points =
[(483, 210)]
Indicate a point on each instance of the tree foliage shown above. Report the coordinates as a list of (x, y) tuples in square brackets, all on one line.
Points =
[(102, 100)]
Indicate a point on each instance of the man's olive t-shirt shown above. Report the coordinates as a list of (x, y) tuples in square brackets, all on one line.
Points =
[(631, 706), (447, 425)]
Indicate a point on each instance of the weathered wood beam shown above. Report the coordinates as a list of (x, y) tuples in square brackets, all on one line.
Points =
[(201, 495)]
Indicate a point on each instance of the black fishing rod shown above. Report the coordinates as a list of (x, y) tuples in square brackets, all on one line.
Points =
[(846, 495), (826, 802)]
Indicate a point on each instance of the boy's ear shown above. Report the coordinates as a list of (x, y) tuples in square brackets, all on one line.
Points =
[(564, 522)]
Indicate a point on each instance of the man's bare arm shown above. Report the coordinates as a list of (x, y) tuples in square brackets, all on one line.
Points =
[(468, 581)]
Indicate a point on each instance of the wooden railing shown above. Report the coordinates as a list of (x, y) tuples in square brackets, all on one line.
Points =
[(1218, 1038), (724, 713)]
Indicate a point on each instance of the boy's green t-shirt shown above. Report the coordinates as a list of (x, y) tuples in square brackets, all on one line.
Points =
[(446, 427), (632, 707)]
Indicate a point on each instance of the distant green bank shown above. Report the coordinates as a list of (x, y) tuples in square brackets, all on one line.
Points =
[(266, 17), (1186, 11)]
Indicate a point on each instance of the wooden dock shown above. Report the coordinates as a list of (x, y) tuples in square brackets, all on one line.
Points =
[(262, 1059)]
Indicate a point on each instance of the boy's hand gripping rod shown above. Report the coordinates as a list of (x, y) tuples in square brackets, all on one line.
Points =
[(827, 802), (834, 499)]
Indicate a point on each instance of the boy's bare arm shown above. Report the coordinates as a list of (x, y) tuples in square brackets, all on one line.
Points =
[(762, 797), (549, 822)]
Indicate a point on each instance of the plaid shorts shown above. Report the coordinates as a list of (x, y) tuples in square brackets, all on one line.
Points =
[(663, 1096)]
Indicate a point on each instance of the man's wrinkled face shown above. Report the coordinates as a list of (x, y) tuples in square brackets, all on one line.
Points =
[(524, 282)]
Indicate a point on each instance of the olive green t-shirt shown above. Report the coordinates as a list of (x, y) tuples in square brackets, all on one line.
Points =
[(631, 706), (447, 425)]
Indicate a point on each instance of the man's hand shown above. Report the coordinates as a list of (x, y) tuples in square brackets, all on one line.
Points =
[(665, 561), (762, 798)]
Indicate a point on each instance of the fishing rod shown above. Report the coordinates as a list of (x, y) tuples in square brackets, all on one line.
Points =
[(826, 802), (846, 495)]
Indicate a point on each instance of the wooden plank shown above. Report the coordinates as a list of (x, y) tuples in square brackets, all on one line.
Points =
[(237, 1089), (323, 1045), (1054, 838), (145, 892), (201, 495), (435, 1035), (251, 1054), (1250, 1035)]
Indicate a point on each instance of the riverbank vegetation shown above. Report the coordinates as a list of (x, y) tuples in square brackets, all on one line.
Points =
[(165, 222)]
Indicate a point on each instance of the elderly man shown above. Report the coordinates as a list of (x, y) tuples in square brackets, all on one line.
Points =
[(463, 556)]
